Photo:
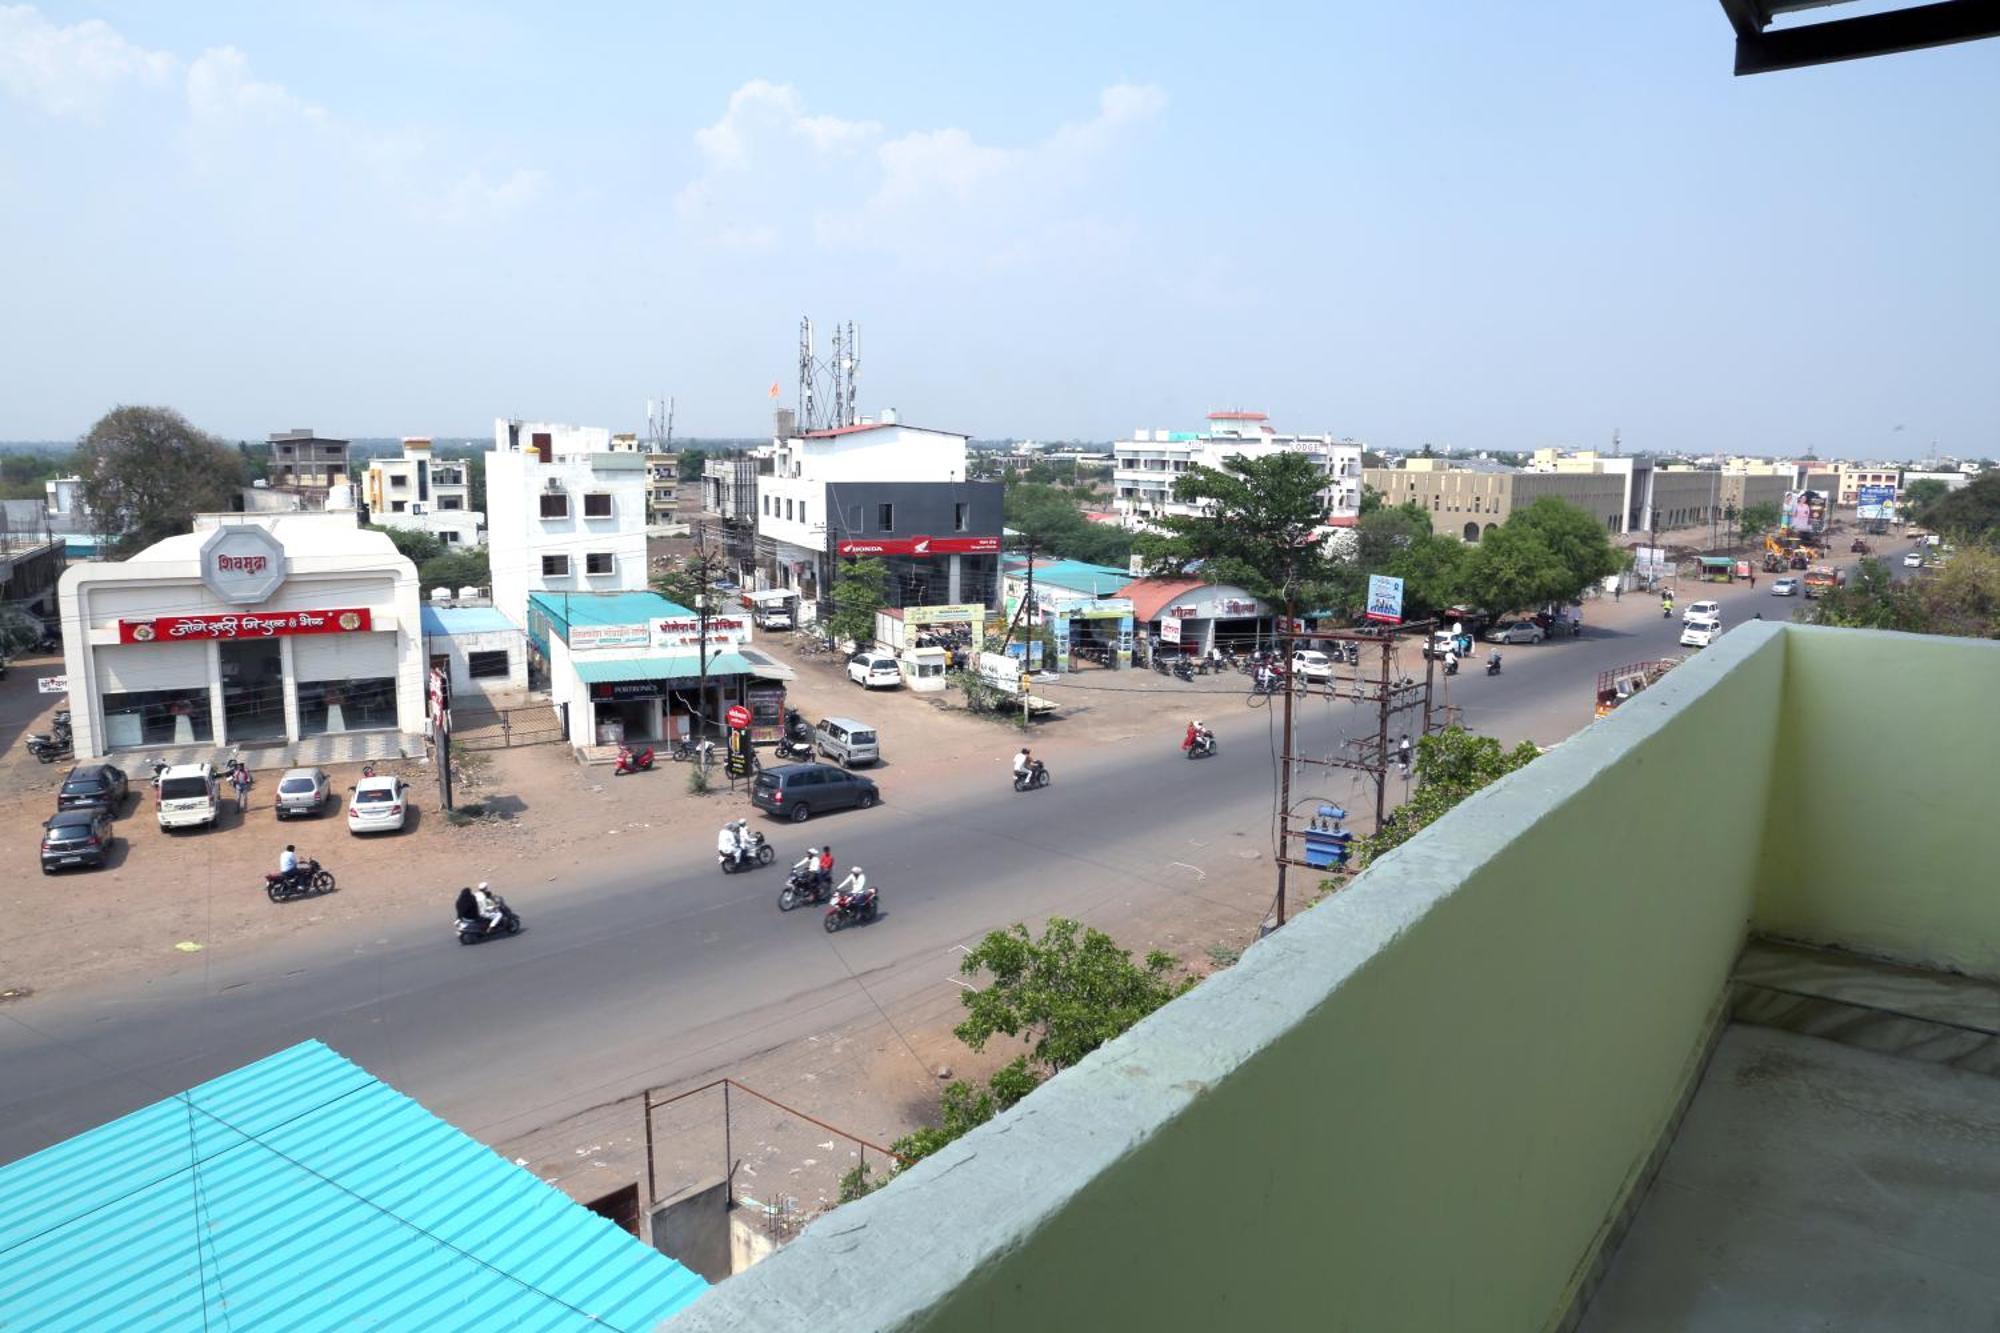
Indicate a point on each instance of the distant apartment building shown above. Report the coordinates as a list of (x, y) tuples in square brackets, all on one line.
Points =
[(662, 487), (1145, 467), (1952, 480), (879, 488), (426, 494), (564, 514), (1853, 476), (1628, 494), (301, 458)]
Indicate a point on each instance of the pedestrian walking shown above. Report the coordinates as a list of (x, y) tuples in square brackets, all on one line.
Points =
[(240, 780), (1617, 590)]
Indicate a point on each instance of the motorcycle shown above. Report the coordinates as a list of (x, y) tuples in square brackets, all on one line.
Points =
[(1666, 610), (1036, 774), (1492, 666), (1183, 669), (1204, 745), (852, 908), (1451, 666), (754, 852), (160, 766), (472, 930), (789, 748), (633, 761), (805, 884), (49, 748), (308, 879)]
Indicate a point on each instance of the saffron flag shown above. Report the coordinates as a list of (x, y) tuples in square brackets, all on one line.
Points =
[(774, 388)]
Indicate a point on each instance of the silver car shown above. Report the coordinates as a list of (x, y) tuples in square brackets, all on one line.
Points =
[(302, 791)]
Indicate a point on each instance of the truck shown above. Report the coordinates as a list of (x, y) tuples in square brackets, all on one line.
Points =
[(1823, 578)]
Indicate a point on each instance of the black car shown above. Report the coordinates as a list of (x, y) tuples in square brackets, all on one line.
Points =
[(75, 838), (92, 787), (799, 791)]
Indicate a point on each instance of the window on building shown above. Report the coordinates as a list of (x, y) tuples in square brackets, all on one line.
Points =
[(597, 504), (788, 507), (397, 481), (598, 562), (448, 537), (450, 502), (885, 517), (555, 505), (487, 665), (398, 506), (802, 511), (961, 513), (555, 566)]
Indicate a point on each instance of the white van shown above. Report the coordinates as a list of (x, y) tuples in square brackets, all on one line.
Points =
[(846, 741), (187, 797)]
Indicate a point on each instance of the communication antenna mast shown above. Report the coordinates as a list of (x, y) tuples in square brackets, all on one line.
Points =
[(1617, 450), (850, 371), (829, 390), (837, 368), (808, 410)]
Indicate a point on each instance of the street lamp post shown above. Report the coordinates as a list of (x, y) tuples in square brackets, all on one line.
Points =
[(701, 662)]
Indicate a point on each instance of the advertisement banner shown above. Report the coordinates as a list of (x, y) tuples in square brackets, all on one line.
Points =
[(1385, 599), (1170, 629), (585, 637), (1875, 502), (949, 614), (685, 632), (921, 546), (267, 625)]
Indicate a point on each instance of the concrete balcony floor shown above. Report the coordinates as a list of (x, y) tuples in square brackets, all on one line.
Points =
[(1845, 1180)]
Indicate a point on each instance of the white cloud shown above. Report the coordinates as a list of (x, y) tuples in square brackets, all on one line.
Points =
[(72, 71), (925, 193), (236, 128)]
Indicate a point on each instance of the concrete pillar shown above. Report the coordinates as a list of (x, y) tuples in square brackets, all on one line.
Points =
[(952, 580)]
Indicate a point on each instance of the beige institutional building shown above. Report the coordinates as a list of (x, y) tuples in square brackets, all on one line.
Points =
[(1626, 494)]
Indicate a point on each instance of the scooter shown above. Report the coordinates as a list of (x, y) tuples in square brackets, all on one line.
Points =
[(1451, 666), (308, 879), (755, 852), (1036, 774), (633, 761), (852, 908), (805, 884), (1666, 610), (1204, 746), (1492, 666), (792, 748), (475, 929)]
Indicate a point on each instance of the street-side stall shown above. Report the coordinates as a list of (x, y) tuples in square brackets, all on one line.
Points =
[(956, 631), (1100, 627)]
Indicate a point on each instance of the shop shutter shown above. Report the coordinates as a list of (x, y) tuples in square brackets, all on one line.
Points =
[(343, 656), (132, 668)]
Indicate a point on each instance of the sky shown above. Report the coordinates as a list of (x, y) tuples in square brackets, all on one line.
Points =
[(1470, 225)]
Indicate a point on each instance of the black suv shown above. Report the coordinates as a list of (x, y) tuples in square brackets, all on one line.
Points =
[(799, 791), (92, 787), (75, 838)]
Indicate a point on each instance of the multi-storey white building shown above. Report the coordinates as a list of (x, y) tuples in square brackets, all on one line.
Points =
[(879, 488), (1145, 467), (564, 513), (426, 494)]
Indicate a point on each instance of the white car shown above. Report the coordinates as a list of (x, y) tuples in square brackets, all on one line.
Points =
[(1699, 633), (871, 670), (188, 797), (1914, 560), (1785, 587), (1702, 611), (1312, 666), (378, 805), (1515, 631)]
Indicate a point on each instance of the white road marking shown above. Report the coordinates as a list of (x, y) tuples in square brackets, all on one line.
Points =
[(1199, 872)]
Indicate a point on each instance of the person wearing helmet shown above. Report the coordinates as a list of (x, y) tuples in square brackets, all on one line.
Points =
[(489, 906), (855, 886)]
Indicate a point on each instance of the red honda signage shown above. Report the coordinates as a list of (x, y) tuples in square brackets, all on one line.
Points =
[(247, 625), (923, 546)]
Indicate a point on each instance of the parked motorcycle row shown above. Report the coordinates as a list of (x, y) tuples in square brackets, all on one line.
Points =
[(50, 746)]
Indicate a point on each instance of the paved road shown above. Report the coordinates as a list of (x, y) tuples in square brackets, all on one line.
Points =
[(659, 969)]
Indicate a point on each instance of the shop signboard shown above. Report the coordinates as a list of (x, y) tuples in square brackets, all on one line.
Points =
[(1385, 599), (1170, 629), (270, 624), (950, 614), (242, 563), (1185, 611), (921, 546), (628, 689), (582, 638), (738, 717), (52, 684), (685, 632), (1236, 606)]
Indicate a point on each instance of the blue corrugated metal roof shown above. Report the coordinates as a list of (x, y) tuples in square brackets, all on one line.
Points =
[(605, 608), (466, 620), (1079, 576), (302, 1192), (591, 671)]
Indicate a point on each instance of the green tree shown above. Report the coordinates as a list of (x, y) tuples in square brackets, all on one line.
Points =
[(1260, 529), (964, 1107), (1758, 519), (1512, 569), (1450, 766), (859, 588), (19, 631), (146, 473), (456, 569), (1969, 514), (1582, 548), (1066, 993), (22, 471), (413, 544), (1871, 599), (1962, 599), (1050, 519), (1920, 495)]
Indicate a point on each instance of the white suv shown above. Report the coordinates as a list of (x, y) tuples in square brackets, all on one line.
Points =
[(1699, 631), (1703, 611), (872, 669), (1312, 666), (187, 797)]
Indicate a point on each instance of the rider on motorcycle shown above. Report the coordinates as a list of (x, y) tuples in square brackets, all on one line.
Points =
[(467, 906), (852, 889), (1493, 661), (488, 905), (288, 865), (729, 842), (1022, 763)]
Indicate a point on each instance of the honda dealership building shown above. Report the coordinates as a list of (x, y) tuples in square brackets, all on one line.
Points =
[(253, 628)]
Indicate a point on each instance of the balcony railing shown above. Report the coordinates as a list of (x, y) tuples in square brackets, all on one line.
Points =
[(1427, 1102)]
